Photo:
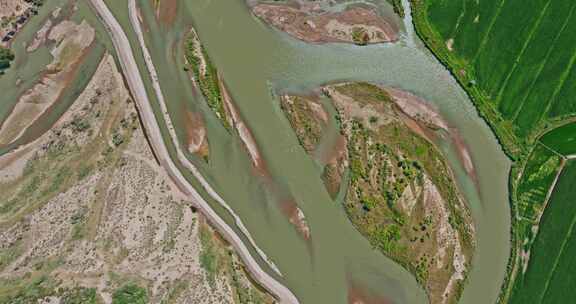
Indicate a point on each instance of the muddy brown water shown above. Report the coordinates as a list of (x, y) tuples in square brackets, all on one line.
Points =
[(257, 61)]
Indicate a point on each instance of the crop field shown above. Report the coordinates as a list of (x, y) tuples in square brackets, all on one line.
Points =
[(563, 139), (516, 59), (519, 54), (539, 174), (549, 277)]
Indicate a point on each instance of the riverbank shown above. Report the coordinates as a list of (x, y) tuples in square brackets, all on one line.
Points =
[(461, 72), (73, 44), (73, 196), (275, 60), (152, 127), (525, 213)]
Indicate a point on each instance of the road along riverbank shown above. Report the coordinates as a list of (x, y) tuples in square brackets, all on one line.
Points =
[(136, 86)]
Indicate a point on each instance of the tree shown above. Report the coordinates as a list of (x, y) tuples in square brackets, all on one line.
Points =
[(6, 56)]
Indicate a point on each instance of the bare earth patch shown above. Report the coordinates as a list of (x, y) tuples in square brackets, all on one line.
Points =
[(196, 131), (109, 215), (297, 218), (234, 119), (40, 37)]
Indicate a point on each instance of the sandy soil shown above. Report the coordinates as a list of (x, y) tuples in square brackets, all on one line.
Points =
[(12, 7), (12, 164), (40, 37), (296, 217), (11, 12), (354, 25), (73, 41), (447, 238), (426, 114), (136, 85), (198, 52), (244, 132), (151, 236), (450, 44), (196, 131), (418, 108), (464, 154)]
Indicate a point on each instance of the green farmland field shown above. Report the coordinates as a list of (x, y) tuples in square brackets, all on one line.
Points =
[(519, 54), (550, 274), (539, 174), (516, 60), (563, 139), (540, 171)]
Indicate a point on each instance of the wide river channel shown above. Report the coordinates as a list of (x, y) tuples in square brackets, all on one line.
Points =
[(256, 61)]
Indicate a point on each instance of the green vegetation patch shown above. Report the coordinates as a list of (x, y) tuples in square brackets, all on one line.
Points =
[(26, 290), (207, 80), (9, 253), (386, 162), (549, 277), (130, 294), (78, 296), (360, 36), (562, 140), (519, 89), (308, 126), (538, 176), (522, 89), (175, 291), (6, 56), (398, 8), (210, 256)]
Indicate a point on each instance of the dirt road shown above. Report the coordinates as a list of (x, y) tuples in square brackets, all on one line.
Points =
[(136, 86)]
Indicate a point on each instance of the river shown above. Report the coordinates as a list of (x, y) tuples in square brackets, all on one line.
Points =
[(255, 61)]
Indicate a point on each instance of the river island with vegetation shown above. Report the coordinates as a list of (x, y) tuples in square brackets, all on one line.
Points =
[(400, 192)]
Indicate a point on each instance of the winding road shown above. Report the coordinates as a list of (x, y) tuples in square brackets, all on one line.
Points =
[(136, 86)]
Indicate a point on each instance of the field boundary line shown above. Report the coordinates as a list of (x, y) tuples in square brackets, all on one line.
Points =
[(551, 190), (525, 47), (483, 42), (564, 242), (458, 21), (563, 78), (552, 150), (560, 83), (553, 186)]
